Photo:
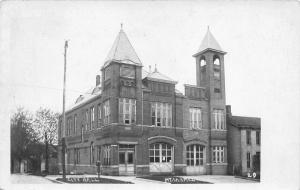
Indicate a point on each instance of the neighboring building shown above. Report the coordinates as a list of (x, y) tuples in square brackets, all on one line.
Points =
[(137, 123), (244, 139)]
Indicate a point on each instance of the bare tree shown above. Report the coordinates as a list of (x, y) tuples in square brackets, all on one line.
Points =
[(45, 125)]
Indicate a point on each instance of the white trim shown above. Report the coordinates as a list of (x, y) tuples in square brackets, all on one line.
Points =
[(127, 142), (180, 165), (219, 130), (140, 166), (214, 164), (155, 137)]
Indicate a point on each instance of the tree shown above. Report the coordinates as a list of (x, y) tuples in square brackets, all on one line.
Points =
[(22, 135), (45, 125)]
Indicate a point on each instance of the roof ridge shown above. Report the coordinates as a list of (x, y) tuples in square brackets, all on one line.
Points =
[(117, 43)]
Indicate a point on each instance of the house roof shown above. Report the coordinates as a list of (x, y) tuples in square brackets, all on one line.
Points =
[(157, 76), (83, 98), (209, 43), (245, 122), (122, 51)]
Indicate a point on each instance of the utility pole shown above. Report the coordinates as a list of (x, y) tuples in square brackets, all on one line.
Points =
[(64, 114)]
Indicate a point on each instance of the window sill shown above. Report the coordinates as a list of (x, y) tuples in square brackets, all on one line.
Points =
[(224, 130)]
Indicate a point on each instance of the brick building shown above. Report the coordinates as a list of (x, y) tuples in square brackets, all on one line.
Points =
[(137, 123), (244, 142)]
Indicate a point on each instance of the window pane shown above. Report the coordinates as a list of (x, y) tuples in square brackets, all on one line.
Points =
[(152, 159), (122, 158), (130, 158), (151, 152)]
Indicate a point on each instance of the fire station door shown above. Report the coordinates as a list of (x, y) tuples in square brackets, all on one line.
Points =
[(126, 162)]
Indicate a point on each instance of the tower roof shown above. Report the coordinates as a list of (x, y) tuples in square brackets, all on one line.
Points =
[(122, 51), (209, 43)]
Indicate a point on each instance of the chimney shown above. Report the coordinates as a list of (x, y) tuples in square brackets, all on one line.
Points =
[(98, 79), (149, 68), (228, 110)]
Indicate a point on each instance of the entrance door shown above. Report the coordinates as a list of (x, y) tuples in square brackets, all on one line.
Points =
[(126, 162), (161, 158), (195, 159)]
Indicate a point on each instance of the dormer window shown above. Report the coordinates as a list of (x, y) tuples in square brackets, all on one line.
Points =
[(127, 71)]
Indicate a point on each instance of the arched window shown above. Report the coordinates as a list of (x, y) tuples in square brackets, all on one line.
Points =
[(216, 60), (202, 62), (195, 155), (160, 153)]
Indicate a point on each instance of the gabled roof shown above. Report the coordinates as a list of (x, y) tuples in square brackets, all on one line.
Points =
[(90, 94), (209, 43), (157, 76), (245, 122), (122, 51)]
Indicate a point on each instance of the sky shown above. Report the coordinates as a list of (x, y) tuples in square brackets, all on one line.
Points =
[(261, 40)]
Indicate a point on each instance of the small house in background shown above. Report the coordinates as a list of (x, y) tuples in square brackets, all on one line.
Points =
[(243, 144)]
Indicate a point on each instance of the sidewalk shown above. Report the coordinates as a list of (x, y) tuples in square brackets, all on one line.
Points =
[(135, 180), (132, 179), (220, 179)]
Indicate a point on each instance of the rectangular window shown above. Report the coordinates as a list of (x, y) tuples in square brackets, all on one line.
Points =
[(76, 155), (258, 137), (98, 153), (106, 112), (248, 137), (217, 90), (86, 120), (106, 155), (161, 114), (107, 73), (248, 159), (195, 118), (69, 127), (81, 134), (217, 74), (127, 110), (218, 154), (219, 119), (92, 117), (92, 158), (99, 115), (75, 124)]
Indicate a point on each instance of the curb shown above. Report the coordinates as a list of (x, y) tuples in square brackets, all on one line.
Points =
[(250, 179), (54, 181)]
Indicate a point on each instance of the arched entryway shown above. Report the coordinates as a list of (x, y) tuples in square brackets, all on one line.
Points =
[(195, 159), (161, 157)]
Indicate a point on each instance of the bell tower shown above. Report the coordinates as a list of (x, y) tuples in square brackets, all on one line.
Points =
[(210, 67), (210, 75)]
